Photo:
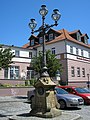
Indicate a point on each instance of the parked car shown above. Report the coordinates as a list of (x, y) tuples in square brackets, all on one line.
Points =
[(64, 98), (82, 92)]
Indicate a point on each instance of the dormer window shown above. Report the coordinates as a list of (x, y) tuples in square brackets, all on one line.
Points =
[(51, 36), (85, 39), (78, 36), (41, 40), (32, 42)]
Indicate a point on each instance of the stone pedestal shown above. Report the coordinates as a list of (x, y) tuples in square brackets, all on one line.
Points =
[(44, 103)]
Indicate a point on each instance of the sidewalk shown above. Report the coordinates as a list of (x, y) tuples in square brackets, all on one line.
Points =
[(17, 108)]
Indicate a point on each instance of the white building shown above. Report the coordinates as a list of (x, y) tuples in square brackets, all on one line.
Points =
[(19, 69), (71, 48)]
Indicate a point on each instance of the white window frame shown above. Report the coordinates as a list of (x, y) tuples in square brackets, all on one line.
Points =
[(71, 49), (41, 40), (17, 53), (6, 73), (77, 52), (13, 72), (78, 71), (51, 36), (82, 53), (83, 72), (30, 54), (86, 40), (88, 54), (32, 42), (72, 71), (53, 50), (78, 37)]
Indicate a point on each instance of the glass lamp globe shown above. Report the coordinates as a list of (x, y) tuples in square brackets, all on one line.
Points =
[(32, 24), (43, 11), (56, 15)]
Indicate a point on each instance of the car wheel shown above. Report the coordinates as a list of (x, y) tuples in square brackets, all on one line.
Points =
[(62, 104), (85, 103)]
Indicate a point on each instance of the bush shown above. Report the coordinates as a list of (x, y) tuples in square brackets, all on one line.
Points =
[(30, 82)]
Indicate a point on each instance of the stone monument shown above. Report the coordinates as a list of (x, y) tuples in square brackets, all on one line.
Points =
[(44, 103)]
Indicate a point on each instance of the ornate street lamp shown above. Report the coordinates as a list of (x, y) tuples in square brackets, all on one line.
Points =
[(44, 102), (43, 28)]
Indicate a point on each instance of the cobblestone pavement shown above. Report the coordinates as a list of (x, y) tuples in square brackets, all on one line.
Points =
[(83, 111), (10, 106)]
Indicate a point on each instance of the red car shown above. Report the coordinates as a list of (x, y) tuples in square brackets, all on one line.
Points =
[(82, 92)]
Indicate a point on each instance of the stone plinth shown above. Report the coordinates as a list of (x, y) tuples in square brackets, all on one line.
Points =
[(44, 103)]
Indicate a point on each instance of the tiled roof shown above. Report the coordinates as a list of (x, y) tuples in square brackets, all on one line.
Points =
[(64, 35), (75, 31), (33, 36), (85, 35), (26, 45)]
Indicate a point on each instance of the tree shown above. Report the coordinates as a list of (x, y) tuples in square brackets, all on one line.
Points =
[(5, 57), (52, 63)]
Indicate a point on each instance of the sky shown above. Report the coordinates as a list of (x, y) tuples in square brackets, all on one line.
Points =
[(16, 14)]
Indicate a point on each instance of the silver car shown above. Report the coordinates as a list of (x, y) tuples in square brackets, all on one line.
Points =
[(64, 98), (67, 100)]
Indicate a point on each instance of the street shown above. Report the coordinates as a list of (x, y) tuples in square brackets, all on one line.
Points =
[(83, 111), (18, 105)]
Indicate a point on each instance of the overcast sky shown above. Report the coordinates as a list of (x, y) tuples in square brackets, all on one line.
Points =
[(16, 14)]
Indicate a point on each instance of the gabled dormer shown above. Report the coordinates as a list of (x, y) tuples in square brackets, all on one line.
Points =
[(84, 38), (76, 35), (52, 34), (40, 38), (33, 40)]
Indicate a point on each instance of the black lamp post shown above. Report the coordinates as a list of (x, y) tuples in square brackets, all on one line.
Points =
[(43, 28), (88, 81)]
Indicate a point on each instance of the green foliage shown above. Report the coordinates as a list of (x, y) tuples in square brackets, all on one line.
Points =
[(5, 85), (52, 63), (5, 57), (27, 84)]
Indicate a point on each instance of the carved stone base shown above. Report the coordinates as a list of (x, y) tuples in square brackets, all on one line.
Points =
[(44, 103), (50, 114)]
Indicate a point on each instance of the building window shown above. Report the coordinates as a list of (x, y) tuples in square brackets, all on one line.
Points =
[(71, 49), (32, 42), (78, 38), (17, 54), (30, 54), (78, 71), (83, 72), (53, 51), (76, 51), (51, 36), (81, 52), (85, 39), (41, 40), (6, 73), (14, 72), (72, 71), (89, 54)]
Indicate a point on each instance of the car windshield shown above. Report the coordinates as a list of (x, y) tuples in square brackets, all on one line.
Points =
[(60, 91), (82, 90)]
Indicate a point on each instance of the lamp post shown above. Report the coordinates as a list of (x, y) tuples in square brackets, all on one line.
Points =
[(44, 102), (43, 28), (88, 81)]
